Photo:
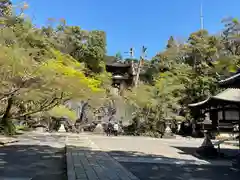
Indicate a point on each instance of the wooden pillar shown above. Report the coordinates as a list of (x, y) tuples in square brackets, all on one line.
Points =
[(223, 113), (238, 126), (236, 161)]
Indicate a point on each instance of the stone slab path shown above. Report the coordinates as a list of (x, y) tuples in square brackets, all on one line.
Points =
[(86, 161)]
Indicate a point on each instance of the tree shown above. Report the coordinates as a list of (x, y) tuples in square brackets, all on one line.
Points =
[(229, 58), (119, 56), (178, 76), (171, 42), (42, 69), (88, 47), (29, 87), (5, 8)]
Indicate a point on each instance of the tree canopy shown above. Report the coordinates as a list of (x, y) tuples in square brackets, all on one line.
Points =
[(184, 73), (43, 68)]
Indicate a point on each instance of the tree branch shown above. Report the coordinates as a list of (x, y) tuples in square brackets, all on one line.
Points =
[(44, 106), (13, 92), (5, 95)]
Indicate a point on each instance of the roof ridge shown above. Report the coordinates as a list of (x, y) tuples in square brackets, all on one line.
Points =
[(230, 78)]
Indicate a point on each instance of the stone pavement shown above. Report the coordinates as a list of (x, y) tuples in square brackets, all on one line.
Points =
[(86, 161), (6, 140), (152, 150), (34, 156), (168, 159), (151, 171)]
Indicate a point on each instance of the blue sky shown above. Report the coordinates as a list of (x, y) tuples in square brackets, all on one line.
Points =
[(133, 23)]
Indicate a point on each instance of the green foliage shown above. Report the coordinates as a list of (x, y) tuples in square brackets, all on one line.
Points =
[(62, 111), (119, 56), (5, 8), (37, 75), (42, 68), (171, 42), (85, 46), (183, 74)]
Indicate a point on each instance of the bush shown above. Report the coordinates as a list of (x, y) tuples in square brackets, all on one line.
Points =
[(8, 128), (22, 128)]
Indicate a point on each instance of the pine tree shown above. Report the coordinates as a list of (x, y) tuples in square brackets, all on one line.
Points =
[(171, 42)]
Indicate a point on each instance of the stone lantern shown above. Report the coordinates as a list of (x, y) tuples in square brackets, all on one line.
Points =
[(207, 149), (168, 132)]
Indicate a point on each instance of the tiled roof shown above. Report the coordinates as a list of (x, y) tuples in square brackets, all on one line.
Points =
[(229, 95), (119, 64), (231, 78), (199, 103)]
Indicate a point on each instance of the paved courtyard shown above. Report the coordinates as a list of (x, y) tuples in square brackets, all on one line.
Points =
[(34, 157), (162, 171), (170, 159), (86, 161), (94, 157)]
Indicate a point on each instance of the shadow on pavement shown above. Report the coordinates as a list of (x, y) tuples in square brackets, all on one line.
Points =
[(32, 161), (150, 171), (176, 170), (225, 153)]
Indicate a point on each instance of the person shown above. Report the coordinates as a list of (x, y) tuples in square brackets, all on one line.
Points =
[(109, 128), (115, 127)]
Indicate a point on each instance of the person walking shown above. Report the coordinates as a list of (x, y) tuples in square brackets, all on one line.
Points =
[(109, 129), (116, 128)]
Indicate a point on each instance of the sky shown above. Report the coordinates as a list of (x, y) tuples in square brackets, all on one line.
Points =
[(134, 23)]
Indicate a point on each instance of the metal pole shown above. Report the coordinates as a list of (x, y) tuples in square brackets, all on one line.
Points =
[(201, 17), (131, 53), (140, 65)]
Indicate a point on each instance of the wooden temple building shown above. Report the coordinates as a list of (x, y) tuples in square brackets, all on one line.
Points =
[(220, 113), (123, 74)]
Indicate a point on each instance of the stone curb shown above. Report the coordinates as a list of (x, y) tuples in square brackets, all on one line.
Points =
[(70, 167), (5, 140)]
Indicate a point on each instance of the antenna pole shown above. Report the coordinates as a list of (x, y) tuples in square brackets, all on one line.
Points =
[(140, 64), (201, 16)]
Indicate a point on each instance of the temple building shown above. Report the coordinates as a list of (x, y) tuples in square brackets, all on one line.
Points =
[(222, 110), (123, 74), (219, 114)]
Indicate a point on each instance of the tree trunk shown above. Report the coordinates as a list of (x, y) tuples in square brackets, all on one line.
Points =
[(82, 113), (138, 73), (4, 121)]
